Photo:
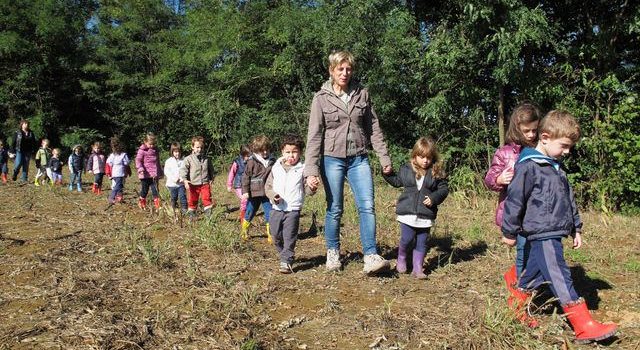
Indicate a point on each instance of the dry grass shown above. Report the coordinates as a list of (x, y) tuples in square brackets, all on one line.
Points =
[(78, 274)]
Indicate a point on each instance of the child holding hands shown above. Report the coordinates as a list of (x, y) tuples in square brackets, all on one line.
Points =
[(197, 174), (543, 219), (522, 132), (285, 187), (425, 187)]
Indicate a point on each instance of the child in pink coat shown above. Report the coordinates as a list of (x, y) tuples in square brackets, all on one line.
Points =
[(149, 170), (234, 179), (522, 132)]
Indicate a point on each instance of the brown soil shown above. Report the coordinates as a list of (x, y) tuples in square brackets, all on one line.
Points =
[(78, 274)]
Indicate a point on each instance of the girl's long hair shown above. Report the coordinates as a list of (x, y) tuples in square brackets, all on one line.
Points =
[(426, 147), (524, 113)]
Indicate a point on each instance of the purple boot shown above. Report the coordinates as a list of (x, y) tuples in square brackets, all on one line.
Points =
[(418, 259), (401, 265)]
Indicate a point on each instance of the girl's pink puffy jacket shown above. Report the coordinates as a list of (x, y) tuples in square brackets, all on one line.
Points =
[(148, 162), (505, 157)]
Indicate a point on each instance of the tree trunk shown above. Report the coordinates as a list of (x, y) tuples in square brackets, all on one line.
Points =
[(501, 115)]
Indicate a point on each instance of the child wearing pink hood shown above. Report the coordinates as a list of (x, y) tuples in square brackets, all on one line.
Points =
[(149, 170)]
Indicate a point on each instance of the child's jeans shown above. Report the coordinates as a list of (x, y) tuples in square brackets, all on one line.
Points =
[(546, 264), (252, 207), (414, 238), (199, 192), (97, 178), (522, 253), (118, 185), (147, 183), (180, 193), (284, 230), (4, 168), (76, 177), (56, 177), (243, 201)]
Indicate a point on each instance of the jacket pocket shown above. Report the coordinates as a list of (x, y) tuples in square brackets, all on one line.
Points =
[(331, 115), (329, 140), (359, 109)]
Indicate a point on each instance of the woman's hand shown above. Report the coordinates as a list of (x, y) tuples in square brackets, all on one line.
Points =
[(313, 182)]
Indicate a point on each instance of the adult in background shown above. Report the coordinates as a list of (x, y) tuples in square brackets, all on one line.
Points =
[(23, 147), (342, 126)]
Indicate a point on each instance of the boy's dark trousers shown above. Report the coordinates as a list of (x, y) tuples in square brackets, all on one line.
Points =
[(284, 232), (180, 193), (546, 264)]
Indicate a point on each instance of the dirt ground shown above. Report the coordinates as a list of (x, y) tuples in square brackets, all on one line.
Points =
[(79, 274)]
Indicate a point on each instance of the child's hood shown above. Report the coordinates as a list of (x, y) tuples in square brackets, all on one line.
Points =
[(534, 155)]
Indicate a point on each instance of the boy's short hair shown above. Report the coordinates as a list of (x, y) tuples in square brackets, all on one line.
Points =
[(260, 143), (559, 123), (292, 139), (197, 139), (55, 150), (176, 147), (43, 140)]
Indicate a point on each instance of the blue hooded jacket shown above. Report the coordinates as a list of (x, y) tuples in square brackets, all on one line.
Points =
[(540, 203)]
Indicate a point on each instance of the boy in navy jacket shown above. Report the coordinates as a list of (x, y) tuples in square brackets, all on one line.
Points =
[(540, 206)]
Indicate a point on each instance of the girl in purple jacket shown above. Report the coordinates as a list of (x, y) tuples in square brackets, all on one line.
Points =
[(149, 170), (522, 132)]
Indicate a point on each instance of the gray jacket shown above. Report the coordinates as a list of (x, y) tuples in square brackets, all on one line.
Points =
[(329, 123)]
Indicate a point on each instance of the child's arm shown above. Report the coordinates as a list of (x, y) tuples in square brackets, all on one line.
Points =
[(231, 176), (393, 179), (184, 172), (139, 161), (268, 190), (497, 167), (438, 196), (90, 164), (211, 171), (515, 204)]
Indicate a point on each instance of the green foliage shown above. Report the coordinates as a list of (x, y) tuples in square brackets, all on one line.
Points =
[(81, 136), (229, 70)]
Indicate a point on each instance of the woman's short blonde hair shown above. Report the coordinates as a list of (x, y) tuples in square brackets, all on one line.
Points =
[(337, 57)]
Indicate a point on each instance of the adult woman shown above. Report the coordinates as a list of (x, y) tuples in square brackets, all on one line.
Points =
[(24, 145), (342, 125)]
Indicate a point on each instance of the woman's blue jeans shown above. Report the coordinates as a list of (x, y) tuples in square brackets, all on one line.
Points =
[(21, 161), (358, 172)]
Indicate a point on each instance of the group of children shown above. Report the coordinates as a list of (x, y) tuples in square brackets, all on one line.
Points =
[(536, 209), (536, 205)]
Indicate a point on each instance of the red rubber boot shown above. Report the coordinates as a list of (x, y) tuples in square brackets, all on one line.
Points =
[(518, 301), (584, 326)]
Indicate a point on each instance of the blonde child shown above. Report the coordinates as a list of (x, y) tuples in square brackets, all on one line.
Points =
[(149, 171), (172, 172), (117, 165), (522, 132), (96, 166), (42, 158), (4, 162), (76, 167), (55, 167), (234, 179), (197, 174), (253, 181), (544, 220), (285, 188), (425, 187)]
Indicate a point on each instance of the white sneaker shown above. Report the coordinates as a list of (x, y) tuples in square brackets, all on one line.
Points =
[(333, 260), (374, 263)]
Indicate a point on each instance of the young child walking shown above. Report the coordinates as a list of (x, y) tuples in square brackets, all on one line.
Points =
[(149, 171), (117, 165), (253, 181), (4, 162), (425, 187), (42, 158), (234, 179), (285, 188), (55, 167), (197, 174), (544, 220), (172, 172), (76, 167), (522, 132), (96, 166)]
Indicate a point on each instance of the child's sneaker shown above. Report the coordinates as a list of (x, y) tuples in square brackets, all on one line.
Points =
[(374, 263), (285, 268), (333, 260)]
